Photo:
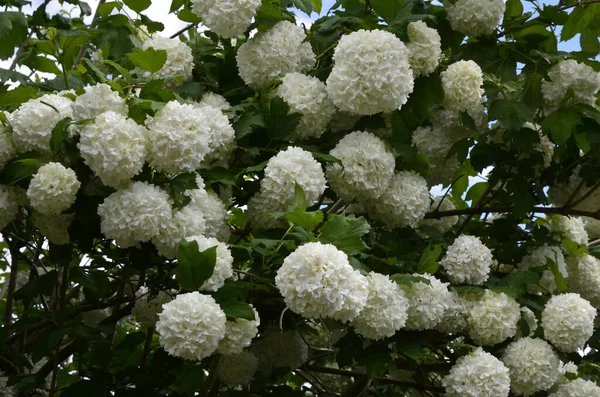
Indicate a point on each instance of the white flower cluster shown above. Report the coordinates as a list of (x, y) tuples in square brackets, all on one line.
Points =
[(53, 189), (34, 121), (468, 261), (371, 73), (214, 100), (428, 302), (307, 95), (592, 227), (227, 18), (54, 227), (385, 311), (571, 227), (135, 214), (532, 364), (191, 326), (493, 318), (462, 83), (181, 136), (475, 17), (570, 74), (455, 316), (223, 269), (366, 170), (425, 48), (114, 147), (577, 388), (317, 280), (404, 202), (147, 307), (435, 143), (530, 319), (273, 54), (568, 322), (98, 99), (7, 147), (584, 277), (237, 369), (239, 334), (478, 374), (9, 206), (184, 222), (443, 224), (539, 258), (180, 61), (279, 349)]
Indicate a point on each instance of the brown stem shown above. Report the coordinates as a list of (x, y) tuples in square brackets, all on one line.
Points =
[(573, 195), (583, 197), (359, 387), (182, 31), (15, 254), (20, 51), (147, 345), (581, 3), (484, 210), (211, 379)]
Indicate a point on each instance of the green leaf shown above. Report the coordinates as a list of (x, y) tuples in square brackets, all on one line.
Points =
[(407, 279), (515, 284), (194, 267), (514, 8), (305, 6), (13, 32), (589, 40), (279, 123), (150, 60), (60, 133), (317, 5), (306, 220), (14, 98), (299, 198), (511, 114), (345, 233), (138, 5), (251, 118), (561, 124), (476, 191), (580, 19), (176, 5), (428, 263), (234, 309), (124, 72), (20, 169), (561, 283), (387, 9), (40, 285), (105, 9)]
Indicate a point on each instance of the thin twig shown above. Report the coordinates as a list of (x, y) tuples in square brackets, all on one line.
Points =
[(182, 31), (504, 209), (83, 48), (581, 3)]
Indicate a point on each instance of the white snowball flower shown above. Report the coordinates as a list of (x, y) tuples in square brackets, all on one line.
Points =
[(475, 17), (462, 83), (385, 311), (577, 388), (568, 322), (478, 374), (54, 227), (530, 319), (366, 170), (592, 227), (443, 224), (98, 99), (274, 53), (259, 210), (182, 135), (584, 277), (185, 222), (222, 140), (279, 349), (428, 302), (455, 316), (147, 307), (546, 147), (468, 261), (53, 189), (223, 269), (135, 214), (307, 95), (539, 258), (227, 18), (180, 61), (239, 334), (237, 369), (7, 147), (191, 326), (214, 100), (405, 201), (317, 280), (214, 212), (371, 73), (34, 121), (532, 364), (435, 143), (493, 319), (9, 206), (114, 147), (570, 74), (571, 227), (425, 48)]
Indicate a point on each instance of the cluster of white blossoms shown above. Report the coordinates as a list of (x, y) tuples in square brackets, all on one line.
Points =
[(468, 261), (191, 326), (53, 189), (98, 99), (385, 311), (223, 269), (584, 277), (239, 333), (147, 307), (592, 227), (33, 121), (274, 53), (184, 222), (532, 364), (366, 168), (371, 73), (9, 206), (114, 147), (478, 374), (181, 136), (539, 258), (279, 349), (135, 214), (7, 147), (180, 61), (404, 202), (54, 227), (462, 83), (493, 318), (530, 320), (568, 322), (237, 369), (577, 388), (214, 100), (475, 17), (570, 74), (428, 302), (443, 224), (227, 18), (455, 315), (307, 95), (435, 143), (571, 227), (317, 281), (212, 209), (425, 48)]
